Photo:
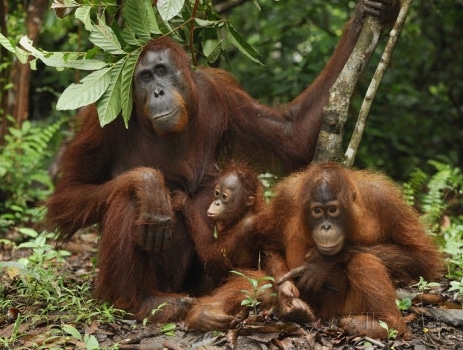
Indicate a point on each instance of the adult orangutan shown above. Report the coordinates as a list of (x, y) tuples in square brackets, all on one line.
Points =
[(145, 184), (350, 238)]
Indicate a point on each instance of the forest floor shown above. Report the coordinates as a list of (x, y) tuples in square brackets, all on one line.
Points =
[(438, 325)]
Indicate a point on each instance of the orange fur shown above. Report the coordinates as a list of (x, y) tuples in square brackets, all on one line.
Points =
[(386, 246)]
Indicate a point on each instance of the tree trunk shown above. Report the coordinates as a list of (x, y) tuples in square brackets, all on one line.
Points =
[(329, 144), (5, 72)]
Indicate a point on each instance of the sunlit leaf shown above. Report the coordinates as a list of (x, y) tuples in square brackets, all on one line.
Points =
[(208, 23), (168, 9), (266, 286), (246, 302), (72, 331), (6, 43), (83, 14), (109, 105), (56, 59), (104, 37), (136, 13), (128, 35), (212, 49), (91, 343), (91, 88), (23, 56), (28, 232), (126, 85)]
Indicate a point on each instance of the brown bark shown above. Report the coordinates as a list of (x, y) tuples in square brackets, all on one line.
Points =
[(5, 73), (34, 19), (329, 145)]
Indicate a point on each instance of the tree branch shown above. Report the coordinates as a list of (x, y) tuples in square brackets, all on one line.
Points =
[(357, 134), (335, 112), (225, 6)]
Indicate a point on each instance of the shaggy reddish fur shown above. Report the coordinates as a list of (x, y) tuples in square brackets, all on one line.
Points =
[(130, 180), (385, 245)]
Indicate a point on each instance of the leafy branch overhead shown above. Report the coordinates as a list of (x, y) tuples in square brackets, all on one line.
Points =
[(117, 48)]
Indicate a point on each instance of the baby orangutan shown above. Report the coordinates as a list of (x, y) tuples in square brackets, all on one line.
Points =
[(235, 209)]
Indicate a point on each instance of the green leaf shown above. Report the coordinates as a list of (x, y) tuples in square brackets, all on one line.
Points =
[(72, 331), (245, 302), (23, 56), (57, 59), (267, 278), (154, 25), (266, 286), (126, 84), (91, 343), (168, 327), (28, 232), (83, 14), (242, 45), (109, 105), (208, 23), (128, 35), (168, 9), (6, 43), (238, 273), (212, 49), (91, 88), (104, 37), (137, 14)]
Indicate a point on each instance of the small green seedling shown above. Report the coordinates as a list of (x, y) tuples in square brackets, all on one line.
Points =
[(251, 299), (391, 332)]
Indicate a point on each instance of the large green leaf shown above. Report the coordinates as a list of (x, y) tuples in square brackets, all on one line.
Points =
[(168, 9), (242, 45), (137, 14), (83, 14), (109, 105), (126, 84), (212, 49), (6, 43), (59, 59), (91, 88), (22, 55), (104, 37), (128, 35)]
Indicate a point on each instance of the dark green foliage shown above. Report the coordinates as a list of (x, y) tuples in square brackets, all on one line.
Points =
[(438, 195), (23, 172), (417, 113)]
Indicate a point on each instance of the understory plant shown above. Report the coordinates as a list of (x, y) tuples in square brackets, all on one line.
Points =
[(439, 197), (24, 178), (258, 288), (36, 288)]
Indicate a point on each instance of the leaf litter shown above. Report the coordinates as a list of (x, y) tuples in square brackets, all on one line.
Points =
[(434, 319)]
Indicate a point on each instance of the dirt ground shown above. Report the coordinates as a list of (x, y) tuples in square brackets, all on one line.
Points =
[(436, 322)]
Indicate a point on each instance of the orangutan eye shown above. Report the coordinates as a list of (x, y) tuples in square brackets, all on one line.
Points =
[(160, 70), (146, 75)]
